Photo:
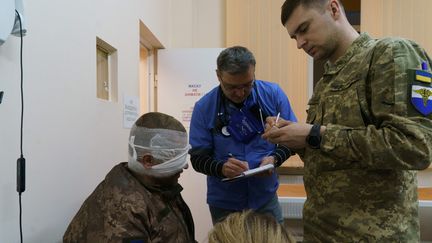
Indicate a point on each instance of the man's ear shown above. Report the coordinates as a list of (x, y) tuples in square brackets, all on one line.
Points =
[(335, 9), (147, 161)]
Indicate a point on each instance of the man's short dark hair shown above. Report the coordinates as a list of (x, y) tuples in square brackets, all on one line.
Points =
[(290, 5), (159, 120), (235, 60)]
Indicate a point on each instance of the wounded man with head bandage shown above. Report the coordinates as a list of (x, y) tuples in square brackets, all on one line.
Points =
[(140, 201)]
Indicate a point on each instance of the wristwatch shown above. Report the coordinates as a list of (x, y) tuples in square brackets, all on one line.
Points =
[(314, 137)]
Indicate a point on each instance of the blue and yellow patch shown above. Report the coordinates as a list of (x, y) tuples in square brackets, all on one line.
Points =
[(423, 76), (421, 98), (421, 89)]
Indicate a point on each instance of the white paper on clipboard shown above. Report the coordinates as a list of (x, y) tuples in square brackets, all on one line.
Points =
[(252, 172)]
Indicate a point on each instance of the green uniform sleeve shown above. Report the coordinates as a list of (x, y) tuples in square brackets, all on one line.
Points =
[(396, 136)]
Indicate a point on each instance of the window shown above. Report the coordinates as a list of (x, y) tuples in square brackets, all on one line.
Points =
[(106, 68)]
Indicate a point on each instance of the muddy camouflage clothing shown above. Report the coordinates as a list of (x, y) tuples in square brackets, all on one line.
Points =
[(122, 209), (361, 184)]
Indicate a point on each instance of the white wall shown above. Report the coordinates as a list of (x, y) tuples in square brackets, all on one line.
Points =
[(204, 27), (71, 139)]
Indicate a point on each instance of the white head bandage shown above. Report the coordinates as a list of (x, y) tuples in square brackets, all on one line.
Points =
[(170, 147)]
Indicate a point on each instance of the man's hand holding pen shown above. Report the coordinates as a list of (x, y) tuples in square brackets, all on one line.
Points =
[(234, 167), (291, 134)]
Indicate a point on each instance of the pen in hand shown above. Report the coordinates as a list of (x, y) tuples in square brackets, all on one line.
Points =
[(277, 119), (233, 167), (275, 124)]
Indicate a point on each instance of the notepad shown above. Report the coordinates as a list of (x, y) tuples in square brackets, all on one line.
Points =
[(251, 172)]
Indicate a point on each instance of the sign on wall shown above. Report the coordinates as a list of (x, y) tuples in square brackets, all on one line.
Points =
[(130, 110), (184, 76)]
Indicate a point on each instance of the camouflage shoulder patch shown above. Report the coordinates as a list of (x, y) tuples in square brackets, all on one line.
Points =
[(420, 75), (421, 98)]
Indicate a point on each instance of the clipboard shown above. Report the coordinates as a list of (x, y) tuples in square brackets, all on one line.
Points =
[(251, 172)]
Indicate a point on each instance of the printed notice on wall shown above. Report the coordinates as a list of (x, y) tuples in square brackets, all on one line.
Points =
[(130, 110), (193, 91)]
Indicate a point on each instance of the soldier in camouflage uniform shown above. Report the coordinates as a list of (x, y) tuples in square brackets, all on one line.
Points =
[(140, 201), (367, 133)]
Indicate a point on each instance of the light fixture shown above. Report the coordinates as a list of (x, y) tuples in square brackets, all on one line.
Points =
[(9, 23)]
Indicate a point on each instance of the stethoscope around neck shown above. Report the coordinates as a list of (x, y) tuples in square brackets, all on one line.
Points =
[(223, 116)]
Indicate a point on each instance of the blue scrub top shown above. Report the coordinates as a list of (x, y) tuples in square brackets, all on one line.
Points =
[(252, 192)]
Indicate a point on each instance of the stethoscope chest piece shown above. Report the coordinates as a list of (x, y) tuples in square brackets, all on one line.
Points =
[(224, 131)]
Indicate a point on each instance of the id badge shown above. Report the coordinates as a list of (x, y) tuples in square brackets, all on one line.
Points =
[(243, 126)]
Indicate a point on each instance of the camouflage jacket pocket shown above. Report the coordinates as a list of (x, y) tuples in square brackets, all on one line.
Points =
[(344, 102)]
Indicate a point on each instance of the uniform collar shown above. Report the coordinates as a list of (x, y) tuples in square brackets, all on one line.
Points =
[(358, 43), (166, 192)]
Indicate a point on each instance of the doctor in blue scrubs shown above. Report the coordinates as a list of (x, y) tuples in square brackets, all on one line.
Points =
[(225, 135)]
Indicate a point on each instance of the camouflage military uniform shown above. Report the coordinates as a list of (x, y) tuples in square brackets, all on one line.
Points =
[(361, 184), (122, 208)]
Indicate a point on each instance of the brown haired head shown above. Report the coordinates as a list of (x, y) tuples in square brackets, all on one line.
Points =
[(289, 6)]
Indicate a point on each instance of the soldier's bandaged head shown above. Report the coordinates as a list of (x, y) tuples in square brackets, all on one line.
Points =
[(162, 137), (170, 155)]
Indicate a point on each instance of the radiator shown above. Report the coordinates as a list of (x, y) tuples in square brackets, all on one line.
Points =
[(292, 207)]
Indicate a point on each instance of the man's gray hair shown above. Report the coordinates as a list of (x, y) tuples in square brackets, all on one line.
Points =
[(235, 60)]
